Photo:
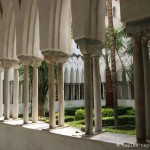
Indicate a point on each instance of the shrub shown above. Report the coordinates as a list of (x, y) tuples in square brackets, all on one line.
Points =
[(123, 110), (71, 111), (122, 120), (130, 112), (80, 114), (69, 118), (107, 112)]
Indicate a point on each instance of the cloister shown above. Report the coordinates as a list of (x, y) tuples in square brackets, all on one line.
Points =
[(35, 30)]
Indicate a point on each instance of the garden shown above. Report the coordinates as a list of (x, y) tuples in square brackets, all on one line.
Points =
[(75, 117)]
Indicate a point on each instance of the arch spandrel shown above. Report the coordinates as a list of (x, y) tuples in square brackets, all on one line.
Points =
[(8, 31), (55, 37), (89, 21)]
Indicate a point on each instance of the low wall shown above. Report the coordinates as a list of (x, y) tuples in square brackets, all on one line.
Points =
[(80, 103), (77, 103), (19, 138)]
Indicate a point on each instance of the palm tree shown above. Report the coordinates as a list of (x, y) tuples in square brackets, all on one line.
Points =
[(108, 86), (113, 60)]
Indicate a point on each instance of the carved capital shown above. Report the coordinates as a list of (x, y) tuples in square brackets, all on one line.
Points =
[(90, 46), (7, 63), (55, 56), (35, 64)]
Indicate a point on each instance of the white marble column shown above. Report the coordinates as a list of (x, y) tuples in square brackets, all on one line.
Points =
[(97, 95), (26, 94), (1, 92), (52, 118), (35, 66), (139, 90), (6, 66), (15, 92), (147, 84), (6, 94), (88, 95), (103, 90), (60, 95)]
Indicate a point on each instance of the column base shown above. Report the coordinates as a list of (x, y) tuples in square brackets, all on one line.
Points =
[(148, 141), (141, 141)]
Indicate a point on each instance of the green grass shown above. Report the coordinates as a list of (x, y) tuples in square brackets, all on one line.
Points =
[(124, 129)]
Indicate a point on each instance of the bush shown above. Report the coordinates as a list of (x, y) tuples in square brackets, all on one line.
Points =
[(123, 110), (107, 112), (71, 111), (131, 112), (69, 118), (80, 114), (122, 120)]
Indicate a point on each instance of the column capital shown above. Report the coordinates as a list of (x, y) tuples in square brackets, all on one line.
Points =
[(16, 65), (7, 63), (55, 56), (36, 64), (90, 46)]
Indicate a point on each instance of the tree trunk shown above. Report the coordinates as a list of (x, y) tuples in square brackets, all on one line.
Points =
[(113, 60), (108, 88), (41, 109)]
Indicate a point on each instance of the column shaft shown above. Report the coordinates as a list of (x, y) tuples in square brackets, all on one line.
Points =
[(6, 95), (129, 91), (15, 94), (139, 93), (79, 91), (88, 95), (35, 96), (147, 87), (52, 96), (26, 94), (97, 95), (61, 94), (1, 95)]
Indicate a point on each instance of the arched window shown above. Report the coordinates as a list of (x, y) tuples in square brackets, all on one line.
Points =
[(114, 11)]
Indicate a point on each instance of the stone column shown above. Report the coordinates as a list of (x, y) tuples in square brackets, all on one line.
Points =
[(6, 66), (88, 95), (103, 90), (73, 91), (97, 95), (26, 94), (1, 92), (67, 91), (52, 96), (147, 84), (129, 90), (35, 66), (139, 90), (15, 92), (79, 91), (60, 95)]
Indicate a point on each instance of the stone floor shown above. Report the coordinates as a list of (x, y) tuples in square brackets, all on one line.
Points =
[(75, 132)]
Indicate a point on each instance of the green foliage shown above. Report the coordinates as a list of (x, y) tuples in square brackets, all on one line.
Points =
[(107, 112), (71, 111), (123, 110), (80, 114), (130, 112), (125, 119), (69, 118), (124, 129)]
